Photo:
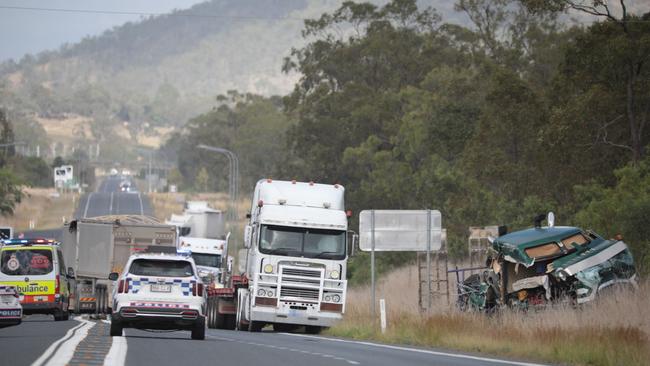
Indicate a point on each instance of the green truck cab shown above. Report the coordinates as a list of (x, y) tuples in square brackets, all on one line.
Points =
[(542, 265)]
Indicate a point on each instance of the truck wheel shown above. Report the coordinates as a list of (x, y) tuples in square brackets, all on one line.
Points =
[(219, 320), (313, 329), (198, 331), (255, 326), (116, 328), (284, 328), (209, 315), (229, 322)]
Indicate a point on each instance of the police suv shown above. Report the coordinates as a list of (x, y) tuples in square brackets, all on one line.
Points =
[(161, 292)]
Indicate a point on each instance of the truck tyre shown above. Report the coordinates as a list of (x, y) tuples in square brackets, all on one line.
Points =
[(229, 322), (283, 328), (116, 328), (198, 331), (255, 326), (219, 320), (209, 314), (312, 329)]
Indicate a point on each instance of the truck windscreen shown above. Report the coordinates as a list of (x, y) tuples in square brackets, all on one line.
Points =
[(302, 242), (207, 260)]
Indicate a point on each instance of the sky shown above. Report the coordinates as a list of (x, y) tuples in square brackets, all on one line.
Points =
[(31, 31)]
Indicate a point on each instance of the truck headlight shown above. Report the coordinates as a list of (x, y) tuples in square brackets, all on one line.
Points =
[(269, 293), (336, 298), (328, 298), (268, 268), (334, 274), (261, 292)]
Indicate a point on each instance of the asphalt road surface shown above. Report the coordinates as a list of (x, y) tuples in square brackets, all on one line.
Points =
[(110, 200), (41, 341)]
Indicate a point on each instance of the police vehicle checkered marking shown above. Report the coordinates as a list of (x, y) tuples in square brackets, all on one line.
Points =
[(134, 285)]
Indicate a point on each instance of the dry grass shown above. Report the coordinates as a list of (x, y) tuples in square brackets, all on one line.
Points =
[(46, 211), (614, 331)]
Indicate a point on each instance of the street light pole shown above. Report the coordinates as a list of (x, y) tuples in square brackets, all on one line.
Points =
[(234, 176)]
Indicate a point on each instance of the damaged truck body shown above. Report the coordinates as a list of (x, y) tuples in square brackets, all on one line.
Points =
[(542, 265)]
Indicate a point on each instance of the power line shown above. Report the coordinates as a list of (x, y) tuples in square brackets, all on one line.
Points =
[(175, 14)]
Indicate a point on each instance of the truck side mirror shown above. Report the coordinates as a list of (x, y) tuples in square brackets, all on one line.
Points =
[(113, 276), (248, 233), (70, 272), (354, 239)]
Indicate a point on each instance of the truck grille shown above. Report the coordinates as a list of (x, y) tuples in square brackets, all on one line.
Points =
[(300, 272), (303, 293)]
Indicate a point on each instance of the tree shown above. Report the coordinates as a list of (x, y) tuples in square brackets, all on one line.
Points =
[(202, 179), (10, 192), (610, 61)]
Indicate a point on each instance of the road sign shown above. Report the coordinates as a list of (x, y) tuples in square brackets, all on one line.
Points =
[(400, 230)]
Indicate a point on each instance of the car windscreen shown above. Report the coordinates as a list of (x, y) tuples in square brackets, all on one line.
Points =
[(208, 260), (161, 268), (26, 262)]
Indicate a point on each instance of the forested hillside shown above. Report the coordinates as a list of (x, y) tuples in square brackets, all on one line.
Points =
[(516, 115)]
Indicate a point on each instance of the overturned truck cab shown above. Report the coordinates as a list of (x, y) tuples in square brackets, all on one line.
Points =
[(541, 265)]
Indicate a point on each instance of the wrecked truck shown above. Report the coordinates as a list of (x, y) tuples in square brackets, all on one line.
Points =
[(543, 265)]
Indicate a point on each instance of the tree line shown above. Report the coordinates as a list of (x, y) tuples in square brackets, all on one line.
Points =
[(517, 114)]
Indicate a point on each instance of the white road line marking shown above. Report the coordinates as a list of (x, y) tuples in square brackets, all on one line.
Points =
[(87, 204), (106, 321), (68, 343), (141, 207), (117, 354), (285, 348), (110, 205), (435, 353)]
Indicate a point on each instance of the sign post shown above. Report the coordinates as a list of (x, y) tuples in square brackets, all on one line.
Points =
[(399, 231)]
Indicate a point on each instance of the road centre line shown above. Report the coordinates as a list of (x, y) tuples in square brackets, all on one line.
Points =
[(435, 353), (61, 351), (87, 204), (352, 362), (141, 206)]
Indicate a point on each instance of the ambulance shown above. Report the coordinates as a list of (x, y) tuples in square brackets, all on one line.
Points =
[(35, 267)]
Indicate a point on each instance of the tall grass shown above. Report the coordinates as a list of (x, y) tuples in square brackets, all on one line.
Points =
[(613, 331), (39, 205)]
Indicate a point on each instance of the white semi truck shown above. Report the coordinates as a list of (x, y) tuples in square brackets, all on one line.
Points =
[(297, 247)]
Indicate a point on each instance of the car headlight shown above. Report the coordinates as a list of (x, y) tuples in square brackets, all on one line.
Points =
[(334, 274), (336, 298), (268, 268), (328, 298), (269, 293), (261, 292)]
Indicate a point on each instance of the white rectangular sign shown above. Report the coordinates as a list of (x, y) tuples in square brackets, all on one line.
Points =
[(400, 230)]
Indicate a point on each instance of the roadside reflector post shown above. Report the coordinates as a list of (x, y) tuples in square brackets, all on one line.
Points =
[(382, 314), (372, 259)]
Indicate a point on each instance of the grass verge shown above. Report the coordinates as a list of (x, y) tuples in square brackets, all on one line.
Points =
[(46, 210), (614, 331)]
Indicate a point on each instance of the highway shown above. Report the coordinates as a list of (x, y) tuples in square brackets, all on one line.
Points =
[(39, 340)]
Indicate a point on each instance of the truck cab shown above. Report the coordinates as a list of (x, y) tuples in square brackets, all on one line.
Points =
[(296, 259), (208, 256)]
